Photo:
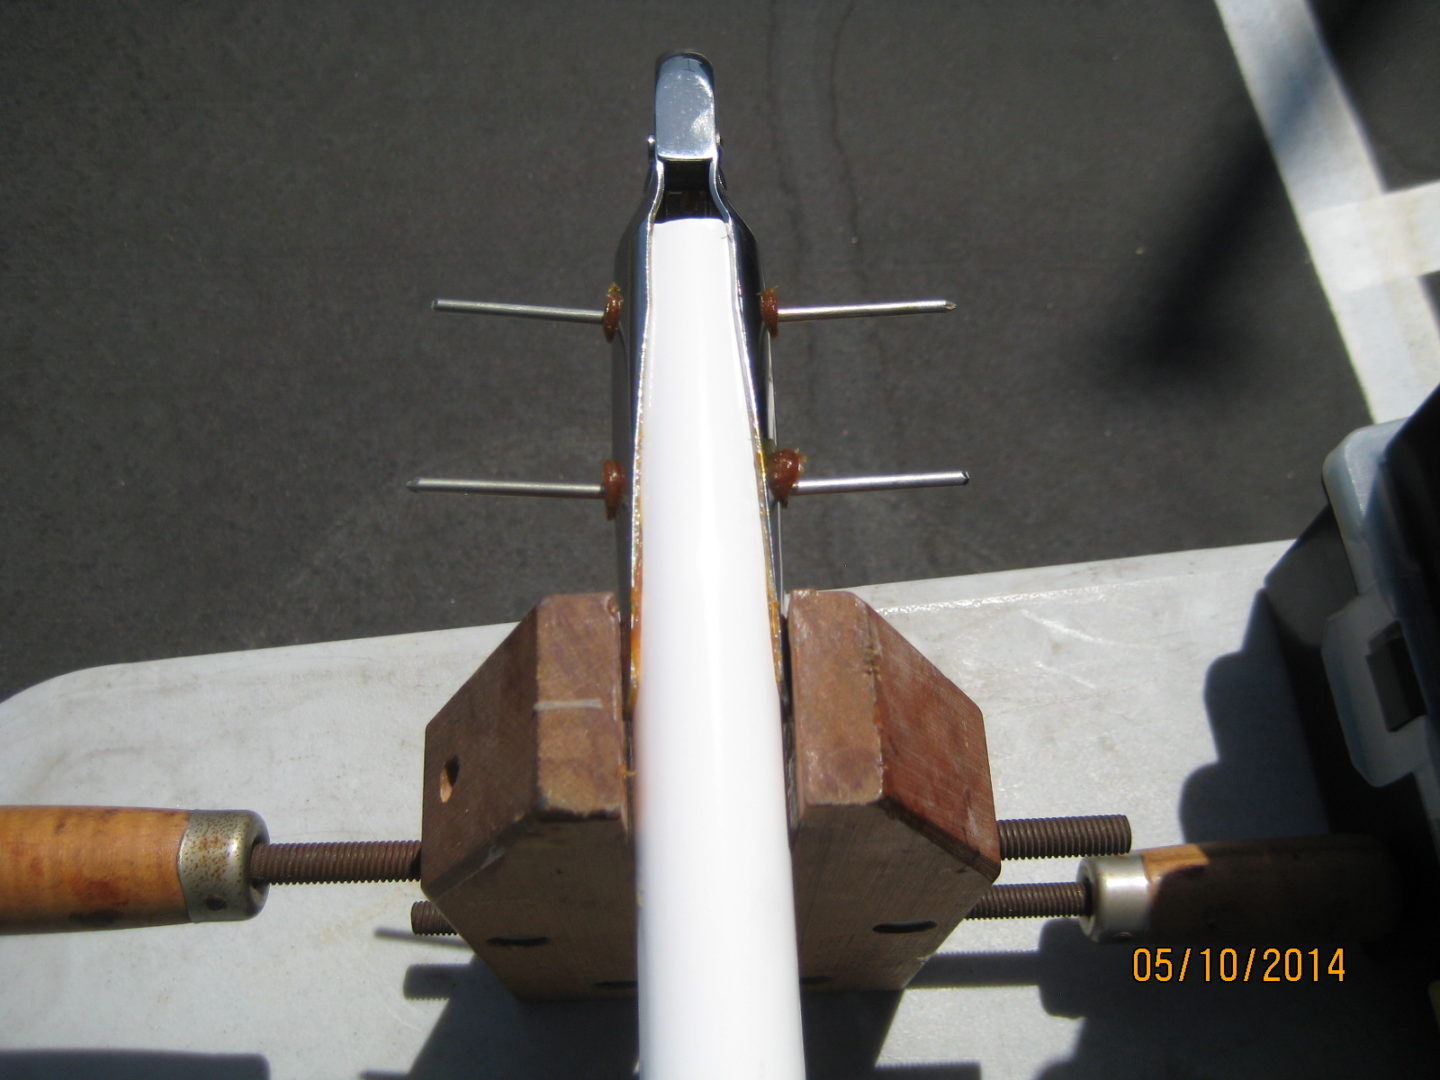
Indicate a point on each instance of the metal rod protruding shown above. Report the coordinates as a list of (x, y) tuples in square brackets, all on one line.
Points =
[(335, 863), (521, 311), (832, 485), (1064, 837), (508, 487), (426, 920), (1060, 900), (855, 311), (785, 314)]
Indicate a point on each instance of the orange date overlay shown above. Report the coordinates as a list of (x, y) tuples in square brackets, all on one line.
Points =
[(1251, 964)]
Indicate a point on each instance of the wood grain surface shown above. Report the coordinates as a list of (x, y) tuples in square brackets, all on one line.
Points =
[(895, 822), (525, 828), (89, 868), (525, 833), (1281, 891)]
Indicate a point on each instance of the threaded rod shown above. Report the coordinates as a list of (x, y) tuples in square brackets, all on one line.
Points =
[(1064, 837), (329, 863), (426, 920), (1060, 900), (399, 860)]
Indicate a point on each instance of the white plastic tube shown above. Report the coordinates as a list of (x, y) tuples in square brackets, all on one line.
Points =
[(718, 986)]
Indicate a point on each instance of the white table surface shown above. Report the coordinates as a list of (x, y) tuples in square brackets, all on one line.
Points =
[(1148, 686)]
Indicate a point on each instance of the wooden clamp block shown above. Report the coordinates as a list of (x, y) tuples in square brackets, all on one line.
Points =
[(525, 833), (525, 829), (895, 835)]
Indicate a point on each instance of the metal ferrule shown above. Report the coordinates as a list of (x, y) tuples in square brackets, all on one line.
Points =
[(1119, 897), (685, 180), (214, 865)]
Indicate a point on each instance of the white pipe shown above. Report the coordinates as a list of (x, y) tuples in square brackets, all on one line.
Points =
[(718, 985)]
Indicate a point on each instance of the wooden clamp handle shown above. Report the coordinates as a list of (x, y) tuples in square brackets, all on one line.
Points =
[(103, 868), (1295, 888), (1323, 887)]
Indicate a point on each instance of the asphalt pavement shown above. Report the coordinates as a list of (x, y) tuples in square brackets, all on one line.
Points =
[(223, 225)]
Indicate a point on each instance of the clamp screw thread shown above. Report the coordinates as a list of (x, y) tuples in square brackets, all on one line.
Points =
[(326, 863), (1061, 900), (1064, 837), (426, 920)]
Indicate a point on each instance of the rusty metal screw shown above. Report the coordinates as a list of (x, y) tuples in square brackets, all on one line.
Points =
[(612, 480), (312, 864), (770, 311), (1061, 900), (783, 470), (426, 920), (614, 305), (1064, 837)]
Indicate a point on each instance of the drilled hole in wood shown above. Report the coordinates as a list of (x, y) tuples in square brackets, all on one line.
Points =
[(912, 926), (449, 773), (519, 941)]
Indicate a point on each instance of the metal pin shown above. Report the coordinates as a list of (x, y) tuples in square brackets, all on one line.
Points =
[(852, 311), (508, 487), (831, 485), (786, 314), (523, 311)]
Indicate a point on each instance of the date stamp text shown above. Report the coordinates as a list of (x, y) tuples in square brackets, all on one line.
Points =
[(1250, 964)]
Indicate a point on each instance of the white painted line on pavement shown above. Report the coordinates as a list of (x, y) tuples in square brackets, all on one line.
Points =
[(1368, 246)]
